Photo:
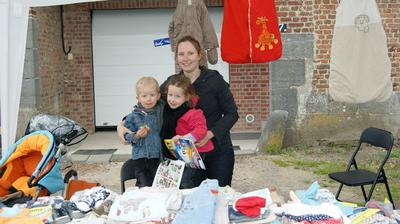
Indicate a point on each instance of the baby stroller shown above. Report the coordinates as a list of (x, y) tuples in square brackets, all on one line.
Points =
[(31, 167)]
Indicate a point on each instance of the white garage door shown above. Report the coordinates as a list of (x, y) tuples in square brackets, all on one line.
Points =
[(123, 51)]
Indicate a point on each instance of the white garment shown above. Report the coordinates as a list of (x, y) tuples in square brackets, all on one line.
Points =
[(360, 66), (145, 204), (88, 199), (299, 209), (89, 219), (262, 193), (221, 210)]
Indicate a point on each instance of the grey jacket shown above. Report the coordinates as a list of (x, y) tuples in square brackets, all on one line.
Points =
[(191, 18)]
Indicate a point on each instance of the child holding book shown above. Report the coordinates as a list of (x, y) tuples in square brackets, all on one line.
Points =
[(144, 123), (181, 119)]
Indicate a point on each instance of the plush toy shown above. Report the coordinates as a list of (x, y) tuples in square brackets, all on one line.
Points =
[(250, 32), (191, 18)]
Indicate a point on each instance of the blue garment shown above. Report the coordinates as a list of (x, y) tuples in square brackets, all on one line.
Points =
[(150, 146), (199, 206), (308, 196)]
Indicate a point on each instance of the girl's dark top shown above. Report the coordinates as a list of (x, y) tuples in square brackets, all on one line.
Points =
[(217, 103), (170, 120)]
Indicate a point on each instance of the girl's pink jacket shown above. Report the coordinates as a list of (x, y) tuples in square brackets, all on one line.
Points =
[(194, 122)]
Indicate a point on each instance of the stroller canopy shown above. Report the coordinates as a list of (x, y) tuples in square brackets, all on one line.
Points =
[(33, 156)]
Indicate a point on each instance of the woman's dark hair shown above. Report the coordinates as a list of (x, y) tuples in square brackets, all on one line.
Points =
[(184, 83), (190, 39)]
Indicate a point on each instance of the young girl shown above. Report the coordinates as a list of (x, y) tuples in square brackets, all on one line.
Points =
[(182, 120)]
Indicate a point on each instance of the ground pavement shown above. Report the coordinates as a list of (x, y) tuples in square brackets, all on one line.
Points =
[(104, 146)]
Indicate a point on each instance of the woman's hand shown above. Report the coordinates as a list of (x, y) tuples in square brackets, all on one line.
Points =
[(203, 141), (121, 130)]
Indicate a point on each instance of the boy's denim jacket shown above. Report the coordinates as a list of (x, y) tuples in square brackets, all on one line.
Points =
[(149, 146)]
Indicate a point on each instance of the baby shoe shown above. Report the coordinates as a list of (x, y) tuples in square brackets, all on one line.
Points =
[(60, 215), (72, 210), (104, 208), (85, 204)]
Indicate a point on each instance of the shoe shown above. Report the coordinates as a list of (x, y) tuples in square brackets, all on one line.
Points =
[(60, 214), (72, 210), (104, 208)]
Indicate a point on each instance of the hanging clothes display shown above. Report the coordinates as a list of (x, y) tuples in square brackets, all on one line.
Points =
[(250, 32), (191, 18), (360, 66)]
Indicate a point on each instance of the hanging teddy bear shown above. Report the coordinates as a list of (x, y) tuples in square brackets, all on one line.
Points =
[(191, 18)]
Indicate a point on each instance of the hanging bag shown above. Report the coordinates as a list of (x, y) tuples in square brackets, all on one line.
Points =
[(360, 65), (250, 32)]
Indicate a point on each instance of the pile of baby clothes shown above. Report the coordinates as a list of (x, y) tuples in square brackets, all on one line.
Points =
[(315, 205), (94, 198), (49, 209)]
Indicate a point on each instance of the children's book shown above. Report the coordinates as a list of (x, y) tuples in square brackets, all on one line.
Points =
[(185, 150), (169, 174)]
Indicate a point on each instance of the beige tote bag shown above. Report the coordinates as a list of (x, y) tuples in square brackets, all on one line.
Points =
[(360, 66)]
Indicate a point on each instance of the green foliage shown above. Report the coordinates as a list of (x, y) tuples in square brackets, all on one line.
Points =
[(273, 149), (395, 154), (281, 163), (329, 167)]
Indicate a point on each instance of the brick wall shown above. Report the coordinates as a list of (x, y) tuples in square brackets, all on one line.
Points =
[(78, 86), (140, 4), (250, 87), (297, 14), (324, 17), (50, 58), (390, 13)]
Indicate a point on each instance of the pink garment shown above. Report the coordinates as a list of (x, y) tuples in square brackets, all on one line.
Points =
[(194, 122)]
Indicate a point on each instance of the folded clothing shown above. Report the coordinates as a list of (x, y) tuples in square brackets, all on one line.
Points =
[(143, 205), (199, 206), (250, 206), (386, 208), (88, 199)]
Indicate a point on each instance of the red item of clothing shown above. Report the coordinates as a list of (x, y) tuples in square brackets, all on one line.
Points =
[(194, 122), (250, 206), (250, 32)]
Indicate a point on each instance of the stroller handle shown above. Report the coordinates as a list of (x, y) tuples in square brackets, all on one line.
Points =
[(33, 176), (69, 136)]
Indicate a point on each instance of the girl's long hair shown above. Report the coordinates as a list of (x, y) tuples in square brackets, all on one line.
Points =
[(184, 83)]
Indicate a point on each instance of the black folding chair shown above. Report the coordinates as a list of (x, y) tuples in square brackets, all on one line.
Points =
[(127, 173), (360, 177)]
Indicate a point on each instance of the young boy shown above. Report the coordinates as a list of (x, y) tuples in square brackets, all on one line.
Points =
[(144, 122)]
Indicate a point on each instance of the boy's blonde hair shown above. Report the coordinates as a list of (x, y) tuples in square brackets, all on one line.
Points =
[(147, 81)]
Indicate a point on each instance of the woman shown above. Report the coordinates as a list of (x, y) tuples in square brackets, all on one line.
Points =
[(218, 105)]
